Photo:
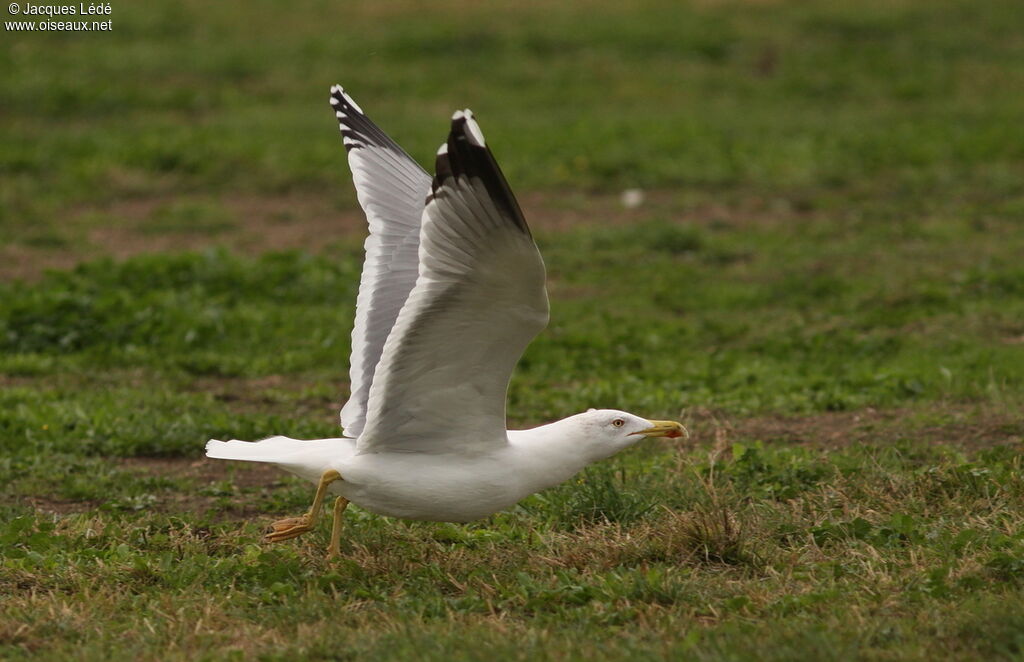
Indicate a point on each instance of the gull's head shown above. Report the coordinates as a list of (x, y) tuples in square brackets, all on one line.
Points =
[(609, 430)]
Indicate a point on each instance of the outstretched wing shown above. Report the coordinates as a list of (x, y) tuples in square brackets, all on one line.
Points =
[(391, 188), (478, 302)]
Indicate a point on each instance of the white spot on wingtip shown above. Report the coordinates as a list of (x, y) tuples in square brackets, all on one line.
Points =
[(352, 102), (336, 89), (335, 101), (340, 115), (443, 149), (457, 115), (476, 136)]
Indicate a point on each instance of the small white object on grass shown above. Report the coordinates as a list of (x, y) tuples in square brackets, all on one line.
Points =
[(632, 198), (452, 292)]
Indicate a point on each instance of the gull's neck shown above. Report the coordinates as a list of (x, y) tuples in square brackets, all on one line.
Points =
[(550, 454)]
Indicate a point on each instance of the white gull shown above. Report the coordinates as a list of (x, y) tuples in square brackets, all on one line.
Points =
[(452, 292)]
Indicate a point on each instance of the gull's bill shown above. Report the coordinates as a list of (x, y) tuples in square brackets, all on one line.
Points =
[(671, 429)]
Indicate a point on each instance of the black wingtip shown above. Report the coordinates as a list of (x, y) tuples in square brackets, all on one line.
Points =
[(466, 154), (357, 129), (349, 116), (342, 102)]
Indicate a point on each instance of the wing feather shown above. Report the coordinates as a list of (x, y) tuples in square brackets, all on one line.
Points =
[(478, 301), (391, 188)]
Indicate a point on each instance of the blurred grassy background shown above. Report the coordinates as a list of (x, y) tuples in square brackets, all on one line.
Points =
[(899, 108), (825, 281), (832, 219)]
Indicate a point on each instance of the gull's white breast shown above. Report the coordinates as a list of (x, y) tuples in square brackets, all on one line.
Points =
[(453, 487), (444, 487)]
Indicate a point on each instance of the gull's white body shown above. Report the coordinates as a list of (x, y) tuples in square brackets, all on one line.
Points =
[(452, 292), (447, 487)]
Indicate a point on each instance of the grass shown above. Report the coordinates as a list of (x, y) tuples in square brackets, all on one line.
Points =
[(796, 553), (824, 283), (817, 105)]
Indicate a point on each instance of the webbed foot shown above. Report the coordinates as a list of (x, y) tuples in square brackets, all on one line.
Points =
[(288, 528)]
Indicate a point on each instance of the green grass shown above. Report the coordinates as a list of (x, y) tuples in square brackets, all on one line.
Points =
[(788, 552), (803, 102), (825, 283), (741, 318)]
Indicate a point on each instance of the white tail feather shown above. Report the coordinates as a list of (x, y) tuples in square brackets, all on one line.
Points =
[(267, 450), (305, 458)]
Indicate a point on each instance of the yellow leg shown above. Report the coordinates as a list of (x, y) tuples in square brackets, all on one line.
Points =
[(293, 527), (334, 549)]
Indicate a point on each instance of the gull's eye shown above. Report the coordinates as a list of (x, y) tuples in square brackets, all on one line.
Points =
[(618, 422)]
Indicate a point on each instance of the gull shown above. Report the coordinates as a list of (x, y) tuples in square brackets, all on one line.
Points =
[(452, 292)]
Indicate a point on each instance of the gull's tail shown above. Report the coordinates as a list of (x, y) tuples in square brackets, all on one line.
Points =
[(305, 458)]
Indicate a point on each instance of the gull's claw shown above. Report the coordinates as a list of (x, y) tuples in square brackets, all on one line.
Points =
[(293, 527), (288, 528)]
